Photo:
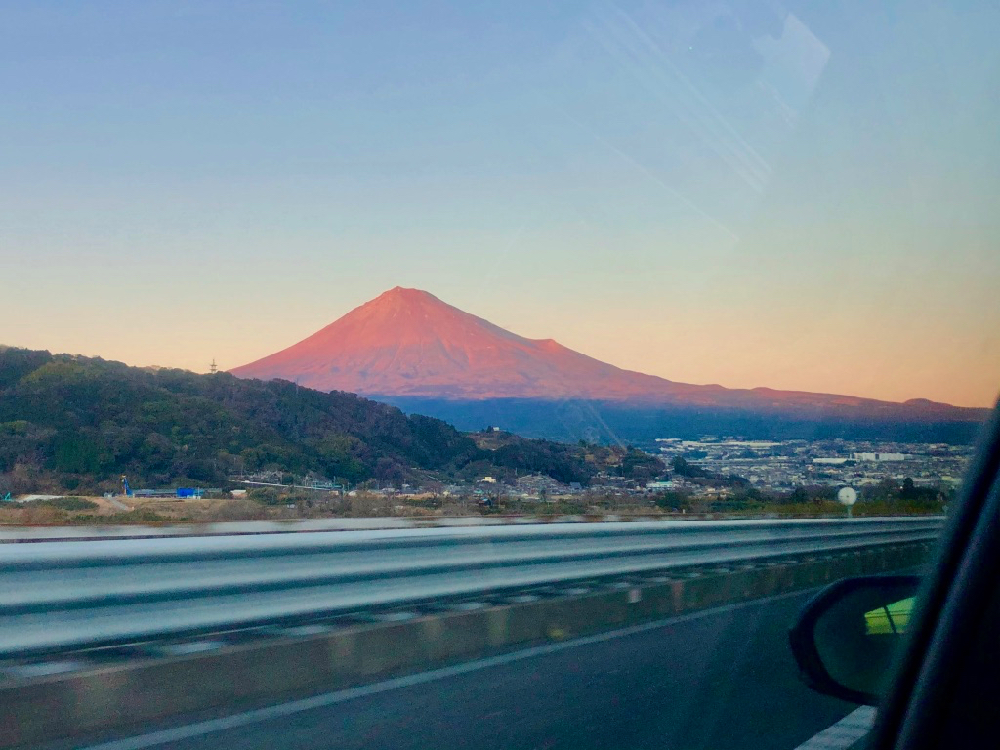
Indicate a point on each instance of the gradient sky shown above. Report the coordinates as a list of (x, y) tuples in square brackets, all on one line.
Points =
[(789, 194)]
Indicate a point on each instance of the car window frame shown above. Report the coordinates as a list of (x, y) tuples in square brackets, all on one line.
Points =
[(958, 587)]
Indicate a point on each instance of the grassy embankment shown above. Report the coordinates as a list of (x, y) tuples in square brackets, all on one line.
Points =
[(101, 511)]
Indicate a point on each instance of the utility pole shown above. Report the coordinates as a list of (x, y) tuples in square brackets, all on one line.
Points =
[(213, 367)]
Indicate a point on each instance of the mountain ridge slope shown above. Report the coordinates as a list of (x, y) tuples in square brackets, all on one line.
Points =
[(69, 421), (408, 343)]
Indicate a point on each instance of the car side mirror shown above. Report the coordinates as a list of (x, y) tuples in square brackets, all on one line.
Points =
[(847, 635)]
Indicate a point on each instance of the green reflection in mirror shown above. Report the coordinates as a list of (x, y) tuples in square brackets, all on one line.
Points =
[(890, 619)]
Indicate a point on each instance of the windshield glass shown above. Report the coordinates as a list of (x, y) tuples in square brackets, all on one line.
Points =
[(424, 374)]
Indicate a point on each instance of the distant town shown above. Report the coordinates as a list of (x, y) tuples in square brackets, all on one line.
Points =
[(783, 465), (705, 468)]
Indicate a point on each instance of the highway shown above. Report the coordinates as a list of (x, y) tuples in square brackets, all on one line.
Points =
[(720, 679)]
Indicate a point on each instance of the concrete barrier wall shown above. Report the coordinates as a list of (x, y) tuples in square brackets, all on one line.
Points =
[(137, 693)]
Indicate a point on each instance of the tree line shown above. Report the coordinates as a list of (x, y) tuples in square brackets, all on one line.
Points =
[(77, 424)]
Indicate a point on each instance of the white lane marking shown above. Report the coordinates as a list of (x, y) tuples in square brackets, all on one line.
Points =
[(844, 733), (175, 734)]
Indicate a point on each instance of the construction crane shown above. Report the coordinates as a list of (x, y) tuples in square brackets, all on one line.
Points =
[(126, 490)]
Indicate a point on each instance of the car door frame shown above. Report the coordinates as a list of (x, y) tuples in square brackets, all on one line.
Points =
[(959, 586)]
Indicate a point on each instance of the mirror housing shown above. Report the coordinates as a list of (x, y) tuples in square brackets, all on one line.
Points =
[(846, 636)]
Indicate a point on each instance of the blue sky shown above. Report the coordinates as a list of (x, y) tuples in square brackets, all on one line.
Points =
[(798, 195)]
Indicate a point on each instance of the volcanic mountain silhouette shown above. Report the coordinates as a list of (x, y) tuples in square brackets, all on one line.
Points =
[(408, 343)]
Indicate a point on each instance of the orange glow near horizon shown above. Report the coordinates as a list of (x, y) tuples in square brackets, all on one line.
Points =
[(744, 353), (744, 194)]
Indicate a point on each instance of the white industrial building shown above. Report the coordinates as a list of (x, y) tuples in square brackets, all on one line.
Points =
[(880, 456)]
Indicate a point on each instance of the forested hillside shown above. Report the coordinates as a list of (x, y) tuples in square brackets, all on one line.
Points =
[(77, 423)]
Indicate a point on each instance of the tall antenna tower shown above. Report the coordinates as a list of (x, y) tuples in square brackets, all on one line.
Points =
[(213, 367)]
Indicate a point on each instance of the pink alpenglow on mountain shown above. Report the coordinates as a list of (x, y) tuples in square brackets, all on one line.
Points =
[(407, 342)]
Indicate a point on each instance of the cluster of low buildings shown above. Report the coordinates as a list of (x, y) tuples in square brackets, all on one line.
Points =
[(777, 466), (783, 465)]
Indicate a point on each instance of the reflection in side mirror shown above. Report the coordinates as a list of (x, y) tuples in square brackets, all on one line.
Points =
[(846, 637)]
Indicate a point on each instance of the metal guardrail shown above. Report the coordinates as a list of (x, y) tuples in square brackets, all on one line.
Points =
[(66, 595)]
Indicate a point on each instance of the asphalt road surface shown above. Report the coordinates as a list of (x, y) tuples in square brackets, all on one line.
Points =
[(716, 680)]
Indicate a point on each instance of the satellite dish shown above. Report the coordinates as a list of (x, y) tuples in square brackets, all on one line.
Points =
[(847, 496)]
